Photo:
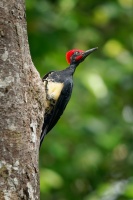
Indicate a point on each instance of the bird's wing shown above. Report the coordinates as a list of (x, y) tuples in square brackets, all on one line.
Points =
[(46, 75), (60, 104), (58, 109)]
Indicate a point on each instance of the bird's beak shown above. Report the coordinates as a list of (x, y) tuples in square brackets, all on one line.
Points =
[(88, 52)]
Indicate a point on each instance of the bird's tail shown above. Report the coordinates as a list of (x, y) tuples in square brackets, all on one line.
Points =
[(44, 132)]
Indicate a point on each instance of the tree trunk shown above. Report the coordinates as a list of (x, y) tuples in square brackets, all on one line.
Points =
[(21, 107)]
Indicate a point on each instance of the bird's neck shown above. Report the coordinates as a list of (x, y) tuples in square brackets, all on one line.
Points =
[(72, 68)]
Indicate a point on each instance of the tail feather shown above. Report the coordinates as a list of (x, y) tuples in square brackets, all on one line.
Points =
[(44, 132)]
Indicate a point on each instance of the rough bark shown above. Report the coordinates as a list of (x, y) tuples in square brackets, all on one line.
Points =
[(21, 107)]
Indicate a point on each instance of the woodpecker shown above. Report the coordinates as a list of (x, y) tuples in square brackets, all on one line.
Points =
[(58, 87)]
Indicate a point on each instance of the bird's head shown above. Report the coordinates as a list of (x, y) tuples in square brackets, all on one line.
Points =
[(76, 56)]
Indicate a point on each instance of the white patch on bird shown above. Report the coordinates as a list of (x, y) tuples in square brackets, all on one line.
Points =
[(54, 90)]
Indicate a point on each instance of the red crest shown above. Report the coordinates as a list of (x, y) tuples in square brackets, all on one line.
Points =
[(70, 53)]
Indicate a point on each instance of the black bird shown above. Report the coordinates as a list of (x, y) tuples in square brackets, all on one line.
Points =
[(58, 88)]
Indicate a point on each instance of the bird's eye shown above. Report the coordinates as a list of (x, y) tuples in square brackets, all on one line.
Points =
[(76, 53)]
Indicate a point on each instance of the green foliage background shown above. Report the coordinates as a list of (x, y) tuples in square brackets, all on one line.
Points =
[(89, 154)]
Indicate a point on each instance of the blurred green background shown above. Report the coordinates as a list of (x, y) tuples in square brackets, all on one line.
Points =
[(89, 153)]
